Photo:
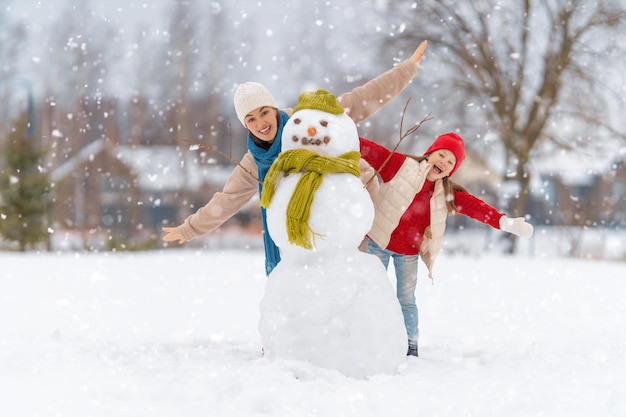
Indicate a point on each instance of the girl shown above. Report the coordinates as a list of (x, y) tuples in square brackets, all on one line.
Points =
[(411, 206), (257, 110)]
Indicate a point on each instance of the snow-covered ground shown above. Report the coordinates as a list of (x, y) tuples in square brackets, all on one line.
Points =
[(174, 333)]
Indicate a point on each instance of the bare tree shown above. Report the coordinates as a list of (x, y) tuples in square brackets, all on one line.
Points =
[(12, 37), (76, 79), (77, 109), (518, 70)]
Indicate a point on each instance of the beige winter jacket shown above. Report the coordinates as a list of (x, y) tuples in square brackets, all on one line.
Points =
[(240, 187)]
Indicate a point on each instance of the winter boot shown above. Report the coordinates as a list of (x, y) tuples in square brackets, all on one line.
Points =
[(412, 348)]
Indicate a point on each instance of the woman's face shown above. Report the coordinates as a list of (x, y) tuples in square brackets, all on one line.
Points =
[(443, 162), (263, 123)]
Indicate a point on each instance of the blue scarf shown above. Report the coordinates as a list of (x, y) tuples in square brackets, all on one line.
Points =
[(264, 159)]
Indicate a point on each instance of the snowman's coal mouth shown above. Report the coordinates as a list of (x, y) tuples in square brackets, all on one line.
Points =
[(312, 141)]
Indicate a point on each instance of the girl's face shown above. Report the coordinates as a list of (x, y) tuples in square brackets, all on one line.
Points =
[(443, 162), (262, 122)]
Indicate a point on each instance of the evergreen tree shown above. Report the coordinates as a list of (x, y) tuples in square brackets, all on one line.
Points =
[(25, 199)]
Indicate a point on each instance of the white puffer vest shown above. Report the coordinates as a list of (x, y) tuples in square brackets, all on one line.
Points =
[(394, 198)]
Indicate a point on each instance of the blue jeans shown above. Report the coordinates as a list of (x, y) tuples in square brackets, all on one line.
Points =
[(406, 278)]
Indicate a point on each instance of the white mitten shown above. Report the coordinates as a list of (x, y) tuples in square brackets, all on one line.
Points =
[(517, 226)]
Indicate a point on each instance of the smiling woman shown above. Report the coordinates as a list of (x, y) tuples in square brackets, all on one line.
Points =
[(257, 110)]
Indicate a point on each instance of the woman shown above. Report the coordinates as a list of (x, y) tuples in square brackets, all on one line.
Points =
[(257, 110), (411, 206)]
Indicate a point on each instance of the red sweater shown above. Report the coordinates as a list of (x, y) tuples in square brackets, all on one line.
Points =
[(407, 237)]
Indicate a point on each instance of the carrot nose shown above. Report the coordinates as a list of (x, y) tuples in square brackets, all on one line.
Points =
[(311, 131)]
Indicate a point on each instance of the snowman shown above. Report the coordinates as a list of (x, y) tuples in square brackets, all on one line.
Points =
[(326, 302)]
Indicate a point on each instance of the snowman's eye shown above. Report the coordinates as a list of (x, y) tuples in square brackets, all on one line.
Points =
[(324, 123), (297, 121)]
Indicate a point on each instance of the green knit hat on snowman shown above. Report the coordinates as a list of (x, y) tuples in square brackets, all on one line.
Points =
[(319, 100)]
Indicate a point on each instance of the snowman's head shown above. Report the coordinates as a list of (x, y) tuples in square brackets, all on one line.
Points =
[(321, 125)]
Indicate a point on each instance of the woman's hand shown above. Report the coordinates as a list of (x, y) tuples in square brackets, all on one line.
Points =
[(172, 234), (418, 54)]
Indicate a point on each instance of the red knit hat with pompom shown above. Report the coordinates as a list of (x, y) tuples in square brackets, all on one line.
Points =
[(452, 142)]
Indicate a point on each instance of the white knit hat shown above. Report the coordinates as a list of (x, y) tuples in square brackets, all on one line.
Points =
[(249, 96)]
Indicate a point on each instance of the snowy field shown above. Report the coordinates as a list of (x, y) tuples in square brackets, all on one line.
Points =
[(174, 333)]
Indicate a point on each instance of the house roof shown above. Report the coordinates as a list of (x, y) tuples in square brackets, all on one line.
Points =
[(572, 167), (72, 164), (158, 168), (161, 168)]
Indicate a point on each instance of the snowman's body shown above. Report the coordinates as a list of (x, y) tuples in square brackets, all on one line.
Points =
[(331, 305)]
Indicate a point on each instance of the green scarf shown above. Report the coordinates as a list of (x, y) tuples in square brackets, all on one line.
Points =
[(314, 167)]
